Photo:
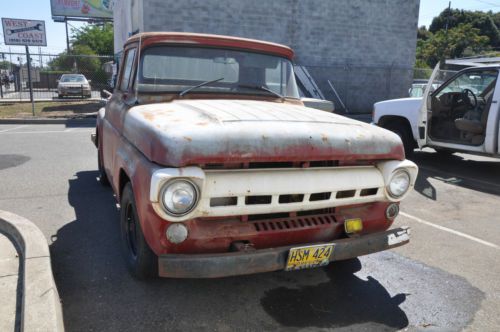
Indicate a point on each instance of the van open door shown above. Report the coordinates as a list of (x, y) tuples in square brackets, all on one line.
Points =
[(425, 107)]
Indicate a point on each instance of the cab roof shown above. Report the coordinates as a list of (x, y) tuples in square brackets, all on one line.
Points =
[(149, 38)]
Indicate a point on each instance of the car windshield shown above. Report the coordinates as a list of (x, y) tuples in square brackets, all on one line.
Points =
[(177, 68), (477, 82), (72, 78)]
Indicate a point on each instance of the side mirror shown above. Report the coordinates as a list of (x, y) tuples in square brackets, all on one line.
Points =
[(57, 81), (320, 104), (90, 81)]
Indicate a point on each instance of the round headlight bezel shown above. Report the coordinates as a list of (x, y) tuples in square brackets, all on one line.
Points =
[(168, 185), (393, 175)]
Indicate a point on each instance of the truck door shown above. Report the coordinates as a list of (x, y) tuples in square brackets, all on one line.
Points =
[(424, 109)]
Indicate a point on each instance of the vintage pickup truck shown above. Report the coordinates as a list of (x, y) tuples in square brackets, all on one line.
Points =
[(220, 170)]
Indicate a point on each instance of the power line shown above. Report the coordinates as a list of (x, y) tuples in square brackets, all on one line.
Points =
[(488, 3)]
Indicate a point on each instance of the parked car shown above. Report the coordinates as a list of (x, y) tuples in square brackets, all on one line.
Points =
[(417, 88), (75, 85), (461, 114), (220, 170)]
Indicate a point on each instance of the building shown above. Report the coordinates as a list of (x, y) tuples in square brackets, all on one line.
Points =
[(365, 48)]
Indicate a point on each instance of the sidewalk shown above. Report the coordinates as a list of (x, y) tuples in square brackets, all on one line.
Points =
[(29, 300), (10, 296)]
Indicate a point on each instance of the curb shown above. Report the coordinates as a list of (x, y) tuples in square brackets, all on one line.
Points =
[(41, 306), (83, 121)]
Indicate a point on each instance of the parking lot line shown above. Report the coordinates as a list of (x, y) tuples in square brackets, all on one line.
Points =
[(10, 129), (449, 230)]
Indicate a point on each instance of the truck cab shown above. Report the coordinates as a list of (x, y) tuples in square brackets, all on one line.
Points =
[(461, 114), (220, 169)]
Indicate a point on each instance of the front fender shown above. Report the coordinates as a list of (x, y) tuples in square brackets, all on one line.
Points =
[(403, 108)]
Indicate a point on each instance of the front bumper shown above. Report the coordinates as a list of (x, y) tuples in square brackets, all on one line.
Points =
[(273, 259)]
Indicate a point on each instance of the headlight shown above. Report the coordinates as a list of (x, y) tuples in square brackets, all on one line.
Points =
[(179, 197), (399, 183)]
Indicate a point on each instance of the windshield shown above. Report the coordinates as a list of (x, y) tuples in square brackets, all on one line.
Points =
[(477, 82), (72, 78), (177, 68)]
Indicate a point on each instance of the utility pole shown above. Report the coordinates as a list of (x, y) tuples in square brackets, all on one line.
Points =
[(10, 57), (67, 36), (30, 80), (448, 18)]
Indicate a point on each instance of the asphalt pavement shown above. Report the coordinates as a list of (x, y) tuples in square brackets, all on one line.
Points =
[(445, 279)]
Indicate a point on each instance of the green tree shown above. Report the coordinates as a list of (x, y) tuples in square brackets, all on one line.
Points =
[(487, 23), (99, 38), (423, 33), (6, 65), (460, 41)]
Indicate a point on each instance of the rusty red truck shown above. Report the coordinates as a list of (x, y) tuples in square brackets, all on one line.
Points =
[(220, 169)]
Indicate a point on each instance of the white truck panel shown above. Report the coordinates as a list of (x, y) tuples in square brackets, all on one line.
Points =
[(407, 108)]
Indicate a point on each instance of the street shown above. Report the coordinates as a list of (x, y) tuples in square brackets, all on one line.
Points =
[(445, 279)]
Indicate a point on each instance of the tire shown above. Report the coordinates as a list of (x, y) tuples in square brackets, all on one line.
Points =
[(141, 261), (404, 133), (103, 178)]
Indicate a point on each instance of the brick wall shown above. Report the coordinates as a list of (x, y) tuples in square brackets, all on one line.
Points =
[(366, 48)]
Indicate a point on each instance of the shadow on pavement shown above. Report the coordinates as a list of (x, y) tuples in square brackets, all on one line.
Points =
[(98, 293), (344, 301), (479, 175), (88, 122), (82, 106)]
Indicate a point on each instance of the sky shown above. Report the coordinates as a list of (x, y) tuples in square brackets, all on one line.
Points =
[(56, 35), (431, 8)]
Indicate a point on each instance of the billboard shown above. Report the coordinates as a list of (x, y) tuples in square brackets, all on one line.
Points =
[(83, 8), (24, 32)]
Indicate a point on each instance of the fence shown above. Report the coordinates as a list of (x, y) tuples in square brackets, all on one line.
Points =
[(46, 71)]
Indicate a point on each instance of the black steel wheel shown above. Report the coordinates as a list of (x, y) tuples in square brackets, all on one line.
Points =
[(406, 137), (140, 259)]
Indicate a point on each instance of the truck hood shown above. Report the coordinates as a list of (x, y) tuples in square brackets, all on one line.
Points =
[(193, 132), (409, 101)]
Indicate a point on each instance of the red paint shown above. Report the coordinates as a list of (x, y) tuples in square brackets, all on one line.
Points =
[(155, 38)]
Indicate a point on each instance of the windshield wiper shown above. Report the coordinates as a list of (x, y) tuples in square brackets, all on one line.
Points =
[(183, 92), (261, 88)]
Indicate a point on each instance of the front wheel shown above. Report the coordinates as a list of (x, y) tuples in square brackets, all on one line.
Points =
[(140, 259), (404, 133)]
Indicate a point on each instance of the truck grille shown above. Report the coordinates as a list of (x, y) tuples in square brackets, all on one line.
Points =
[(230, 192), (293, 223)]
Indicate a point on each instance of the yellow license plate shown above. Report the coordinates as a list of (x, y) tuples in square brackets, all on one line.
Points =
[(309, 257)]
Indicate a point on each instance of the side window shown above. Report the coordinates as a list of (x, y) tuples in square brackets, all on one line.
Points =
[(127, 69)]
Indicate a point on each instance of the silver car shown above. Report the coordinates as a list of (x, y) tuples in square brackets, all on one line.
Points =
[(73, 85)]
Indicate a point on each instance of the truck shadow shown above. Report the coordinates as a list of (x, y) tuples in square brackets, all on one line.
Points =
[(478, 175), (343, 301), (98, 293)]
